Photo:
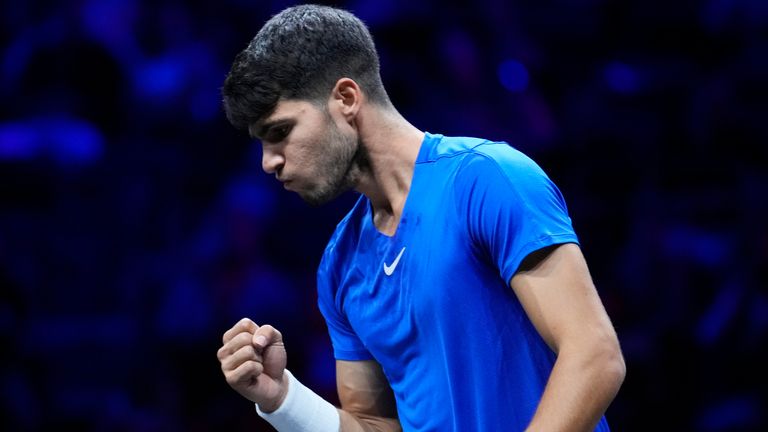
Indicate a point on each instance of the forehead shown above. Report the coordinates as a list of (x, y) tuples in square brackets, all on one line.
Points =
[(285, 110)]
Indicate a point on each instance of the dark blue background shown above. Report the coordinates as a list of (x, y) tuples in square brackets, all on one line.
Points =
[(136, 225)]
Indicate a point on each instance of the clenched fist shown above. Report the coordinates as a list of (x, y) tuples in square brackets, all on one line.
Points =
[(253, 361)]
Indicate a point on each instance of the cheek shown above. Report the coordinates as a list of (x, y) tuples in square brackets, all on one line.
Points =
[(303, 157), (311, 149)]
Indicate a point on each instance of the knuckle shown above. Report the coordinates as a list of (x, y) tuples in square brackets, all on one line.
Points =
[(230, 377), (249, 352), (226, 366), (244, 339), (247, 370), (243, 354), (247, 324), (269, 330), (255, 368), (235, 343)]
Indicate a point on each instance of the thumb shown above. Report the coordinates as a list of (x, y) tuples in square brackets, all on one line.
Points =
[(269, 342), (266, 336)]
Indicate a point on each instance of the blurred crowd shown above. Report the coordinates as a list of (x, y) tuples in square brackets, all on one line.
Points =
[(136, 225)]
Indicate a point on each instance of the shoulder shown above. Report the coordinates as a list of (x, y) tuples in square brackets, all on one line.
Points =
[(493, 158), (442, 147), (495, 178), (497, 166), (477, 155)]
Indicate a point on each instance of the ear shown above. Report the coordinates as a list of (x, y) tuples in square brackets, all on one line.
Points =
[(346, 97)]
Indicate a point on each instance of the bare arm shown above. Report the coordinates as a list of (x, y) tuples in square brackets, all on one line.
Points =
[(557, 293), (253, 360), (367, 402)]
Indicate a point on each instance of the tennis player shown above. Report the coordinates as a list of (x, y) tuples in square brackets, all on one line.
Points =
[(455, 291)]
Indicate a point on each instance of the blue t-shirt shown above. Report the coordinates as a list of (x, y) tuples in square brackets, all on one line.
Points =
[(432, 304)]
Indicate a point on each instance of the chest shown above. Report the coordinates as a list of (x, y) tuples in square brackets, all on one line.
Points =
[(401, 292)]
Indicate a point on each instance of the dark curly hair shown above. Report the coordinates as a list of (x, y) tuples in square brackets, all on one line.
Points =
[(301, 53)]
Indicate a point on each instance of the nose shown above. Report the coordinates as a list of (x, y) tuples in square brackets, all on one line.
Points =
[(271, 161)]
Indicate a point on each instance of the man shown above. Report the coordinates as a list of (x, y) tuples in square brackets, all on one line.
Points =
[(455, 293)]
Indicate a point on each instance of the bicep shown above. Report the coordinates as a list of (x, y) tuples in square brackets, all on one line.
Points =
[(557, 293), (364, 392)]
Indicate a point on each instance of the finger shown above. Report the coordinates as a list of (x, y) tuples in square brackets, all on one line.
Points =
[(244, 372), (245, 353), (244, 325), (237, 342), (265, 336)]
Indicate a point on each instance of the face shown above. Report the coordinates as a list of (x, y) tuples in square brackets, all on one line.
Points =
[(306, 150)]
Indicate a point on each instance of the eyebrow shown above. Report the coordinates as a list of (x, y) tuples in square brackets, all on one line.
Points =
[(267, 125)]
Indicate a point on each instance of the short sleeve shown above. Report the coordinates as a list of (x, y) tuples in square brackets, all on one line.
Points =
[(346, 344), (512, 207)]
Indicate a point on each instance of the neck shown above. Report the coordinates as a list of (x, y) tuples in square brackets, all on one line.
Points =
[(391, 144)]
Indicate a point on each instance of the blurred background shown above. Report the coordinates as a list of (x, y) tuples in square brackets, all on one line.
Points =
[(136, 225)]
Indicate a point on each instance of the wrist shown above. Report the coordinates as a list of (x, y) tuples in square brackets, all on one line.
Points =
[(275, 403), (301, 410)]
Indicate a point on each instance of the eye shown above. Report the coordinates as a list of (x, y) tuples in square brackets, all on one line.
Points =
[(278, 133)]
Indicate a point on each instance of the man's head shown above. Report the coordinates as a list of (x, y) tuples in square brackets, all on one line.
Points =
[(300, 54), (298, 87)]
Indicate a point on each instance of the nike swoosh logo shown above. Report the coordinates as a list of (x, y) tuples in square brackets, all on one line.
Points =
[(389, 269)]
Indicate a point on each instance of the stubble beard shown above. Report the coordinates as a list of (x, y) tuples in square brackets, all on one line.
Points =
[(339, 169)]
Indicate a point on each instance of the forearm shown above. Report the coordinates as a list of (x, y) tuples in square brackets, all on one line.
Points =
[(302, 410), (368, 403), (579, 390)]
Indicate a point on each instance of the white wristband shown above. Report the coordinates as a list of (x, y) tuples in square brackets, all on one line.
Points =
[(302, 411)]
